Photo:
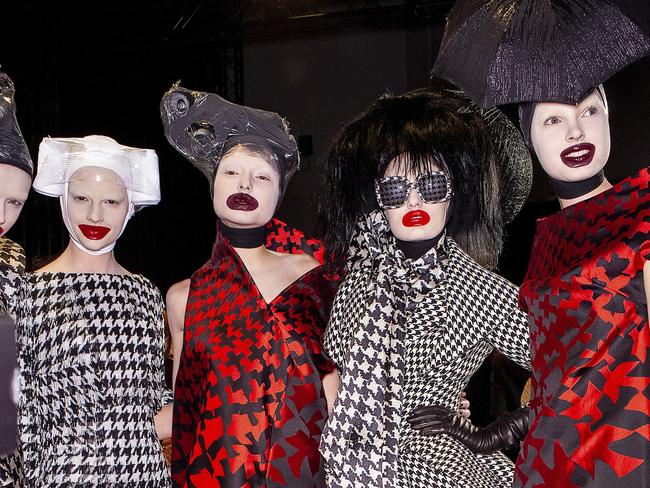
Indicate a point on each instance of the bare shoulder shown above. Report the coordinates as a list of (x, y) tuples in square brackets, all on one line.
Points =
[(176, 301), (302, 263), (179, 287)]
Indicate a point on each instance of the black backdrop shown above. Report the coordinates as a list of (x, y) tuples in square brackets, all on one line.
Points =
[(79, 72)]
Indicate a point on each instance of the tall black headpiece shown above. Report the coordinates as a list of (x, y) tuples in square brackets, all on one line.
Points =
[(512, 51), (13, 149), (203, 126)]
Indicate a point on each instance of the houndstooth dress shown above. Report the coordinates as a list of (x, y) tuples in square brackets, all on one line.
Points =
[(406, 334), (91, 358), (12, 267)]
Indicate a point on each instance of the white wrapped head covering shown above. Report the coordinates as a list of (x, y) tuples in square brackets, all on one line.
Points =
[(59, 158)]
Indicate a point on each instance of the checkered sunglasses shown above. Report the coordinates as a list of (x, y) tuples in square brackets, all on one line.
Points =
[(432, 186)]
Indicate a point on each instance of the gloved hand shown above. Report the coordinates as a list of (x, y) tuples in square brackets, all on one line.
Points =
[(463, 405), (504, 432)]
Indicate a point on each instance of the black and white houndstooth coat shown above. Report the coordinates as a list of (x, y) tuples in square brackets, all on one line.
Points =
[(12, 268), (404, 334), (90, 351)]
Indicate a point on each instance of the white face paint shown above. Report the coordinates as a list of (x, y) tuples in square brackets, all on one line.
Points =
[(572, 142), (96, 208), (246, 190), (14, 189)]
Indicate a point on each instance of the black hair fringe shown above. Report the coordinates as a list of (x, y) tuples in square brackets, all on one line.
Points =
[(429, 126)]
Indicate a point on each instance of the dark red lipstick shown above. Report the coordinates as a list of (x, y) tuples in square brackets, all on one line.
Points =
[(578, 155), (242, 201), (415, 218), (2, 231), (94, 232)]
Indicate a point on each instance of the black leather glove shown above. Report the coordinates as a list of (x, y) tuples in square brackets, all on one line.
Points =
[(504, 432)]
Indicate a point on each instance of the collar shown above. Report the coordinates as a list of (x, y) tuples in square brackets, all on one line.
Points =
[(280, 237)]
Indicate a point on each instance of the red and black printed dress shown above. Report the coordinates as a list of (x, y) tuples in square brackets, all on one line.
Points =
[(588, 316), (249, 405)]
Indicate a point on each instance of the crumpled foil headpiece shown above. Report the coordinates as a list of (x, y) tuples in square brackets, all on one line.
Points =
[(201, 126), (13, 149)]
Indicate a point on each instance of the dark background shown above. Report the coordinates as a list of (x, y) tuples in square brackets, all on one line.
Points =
[(318, 63)]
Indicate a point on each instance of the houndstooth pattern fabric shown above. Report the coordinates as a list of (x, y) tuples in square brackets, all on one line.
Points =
[(451, 314), (12, 267), (91, 357)]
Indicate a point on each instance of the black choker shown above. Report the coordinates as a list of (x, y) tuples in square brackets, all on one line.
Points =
[(244, 238), (568, 190), (417, 249)]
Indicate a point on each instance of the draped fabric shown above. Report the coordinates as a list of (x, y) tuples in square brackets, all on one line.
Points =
[(585, 297), (249, 402)]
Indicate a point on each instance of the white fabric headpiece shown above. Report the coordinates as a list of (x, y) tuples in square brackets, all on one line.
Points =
[(59, 158)]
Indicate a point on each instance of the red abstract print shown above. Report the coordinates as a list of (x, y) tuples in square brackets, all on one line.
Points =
[(588, 314), (249, 404)]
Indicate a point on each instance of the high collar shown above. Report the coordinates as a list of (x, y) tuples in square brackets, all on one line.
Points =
[(374, 238), (248, 238), (280, 237), (568, 190)]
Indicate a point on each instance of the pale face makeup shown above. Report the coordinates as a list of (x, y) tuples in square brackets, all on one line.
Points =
[(416, 220), (572, 142), (14, 189), (97, 205), (246, 189)]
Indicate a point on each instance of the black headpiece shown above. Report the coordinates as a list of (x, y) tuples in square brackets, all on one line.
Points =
[(512, 51), (203, 126), (13, 149), (482, 151)]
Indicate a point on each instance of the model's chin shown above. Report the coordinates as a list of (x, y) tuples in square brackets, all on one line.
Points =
[(234, 218), (417, 233), (96, 244), (579, 173)]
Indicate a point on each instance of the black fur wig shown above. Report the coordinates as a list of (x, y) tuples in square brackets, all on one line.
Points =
[(427, 125)]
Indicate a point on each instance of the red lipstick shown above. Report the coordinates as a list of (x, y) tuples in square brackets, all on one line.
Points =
[(94, 232), (242, 201), (415, 218), (578, 155), (2, 231)]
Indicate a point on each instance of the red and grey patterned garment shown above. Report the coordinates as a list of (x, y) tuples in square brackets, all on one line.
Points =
[(249, 403), (588, 317)]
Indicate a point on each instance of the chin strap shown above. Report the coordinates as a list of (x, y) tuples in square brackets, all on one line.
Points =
[(568, 190), (63, 200)]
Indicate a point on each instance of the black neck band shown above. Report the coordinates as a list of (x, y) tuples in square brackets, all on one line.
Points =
[(244, 238), (417, 249), (568, 190)]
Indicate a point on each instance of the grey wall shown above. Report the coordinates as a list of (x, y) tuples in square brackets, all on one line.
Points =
[(320, 82)]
